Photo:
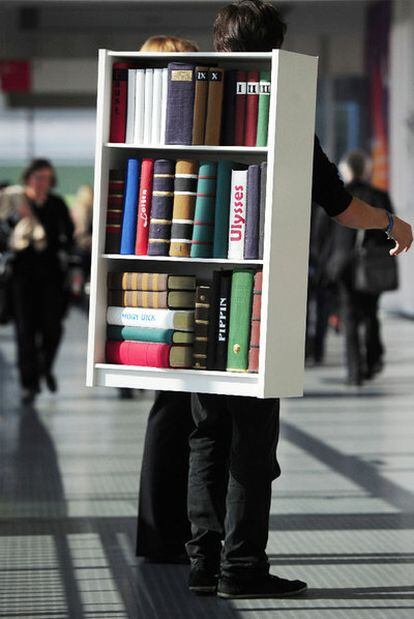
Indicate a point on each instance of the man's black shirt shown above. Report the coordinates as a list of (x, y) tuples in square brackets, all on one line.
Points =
[(328, 190)]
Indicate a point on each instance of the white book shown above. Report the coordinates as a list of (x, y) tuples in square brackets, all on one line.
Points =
[(130, 121), (139, 106), (182, 320), (149, 77), (164, 93), (156, 106), (237, 218)]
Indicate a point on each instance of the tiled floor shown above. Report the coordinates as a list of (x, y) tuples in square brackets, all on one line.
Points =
[(342, 513)]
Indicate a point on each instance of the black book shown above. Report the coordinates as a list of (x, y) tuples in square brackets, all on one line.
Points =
[(223, 319), (214, 321), (229, 107), (201, 326)]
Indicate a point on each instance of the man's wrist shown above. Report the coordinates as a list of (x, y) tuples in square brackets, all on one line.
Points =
[(390, 224)]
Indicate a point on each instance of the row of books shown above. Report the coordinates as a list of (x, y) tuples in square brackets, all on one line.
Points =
[(188, 104), (186, 208), (173, 321)]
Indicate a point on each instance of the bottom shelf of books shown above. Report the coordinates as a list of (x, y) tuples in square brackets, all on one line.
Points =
[(181, 327)]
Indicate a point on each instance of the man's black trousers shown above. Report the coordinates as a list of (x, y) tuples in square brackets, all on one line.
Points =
[(232, 465)]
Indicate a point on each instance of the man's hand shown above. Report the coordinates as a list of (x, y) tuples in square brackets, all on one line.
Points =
[(402, 234), (361, 215)]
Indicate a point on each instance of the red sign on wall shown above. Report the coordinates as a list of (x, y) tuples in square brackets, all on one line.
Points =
[(15, 75)]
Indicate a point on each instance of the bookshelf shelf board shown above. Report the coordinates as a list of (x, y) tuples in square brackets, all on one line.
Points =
[(185, 260), (185, 372), (202, 381), (241, 150), (199, 56)]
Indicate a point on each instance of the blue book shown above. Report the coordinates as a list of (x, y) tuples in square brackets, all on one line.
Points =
[(129, 220), (251, 239), (222, 209), (180, 103)]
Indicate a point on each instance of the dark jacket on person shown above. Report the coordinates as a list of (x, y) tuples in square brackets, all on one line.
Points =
[(339, 264)]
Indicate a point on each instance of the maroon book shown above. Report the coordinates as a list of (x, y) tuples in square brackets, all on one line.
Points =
[(252, 107), (119, 102), (240, 111), (255, 324)]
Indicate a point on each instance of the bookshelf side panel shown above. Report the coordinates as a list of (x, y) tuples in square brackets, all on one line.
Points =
[(97, 305), (287, 223)]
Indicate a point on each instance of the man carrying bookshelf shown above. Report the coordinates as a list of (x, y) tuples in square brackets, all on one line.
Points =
[(233, 448)]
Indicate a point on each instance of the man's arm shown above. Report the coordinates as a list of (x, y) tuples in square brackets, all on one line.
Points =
[(361, 215)]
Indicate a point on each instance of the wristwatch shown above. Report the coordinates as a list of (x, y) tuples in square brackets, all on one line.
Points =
[(390, 226)]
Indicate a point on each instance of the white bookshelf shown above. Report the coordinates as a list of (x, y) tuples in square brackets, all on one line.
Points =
[(289, 154)]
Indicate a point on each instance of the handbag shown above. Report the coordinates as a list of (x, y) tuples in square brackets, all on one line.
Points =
[(375, 271)]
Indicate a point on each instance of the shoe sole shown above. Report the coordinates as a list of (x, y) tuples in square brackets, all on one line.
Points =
[(251, 596), (203, 590)]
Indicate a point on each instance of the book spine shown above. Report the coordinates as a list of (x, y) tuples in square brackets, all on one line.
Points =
[(180, 103), (164, 95), (119, 102), (139, 118), (129, 220), (114, 212), (222, 209), (144, 207), (213, 321), (138, 298), (141, 298), (263, 110), (151, 282), (251, 244), (237, 223), (252, 103), (214, 106), (223, 320), (201, 322), (156, 107), (263, 180), (146, 354), (139, 334), (203, 230), (161, 209), (240, 315), (155, 318), (200, 104), (185, 192), (240, 111), (149, 78), (255, 324), (229, 106), (130, 116)]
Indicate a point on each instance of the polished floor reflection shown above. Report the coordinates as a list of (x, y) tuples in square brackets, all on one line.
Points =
[(342, 514)]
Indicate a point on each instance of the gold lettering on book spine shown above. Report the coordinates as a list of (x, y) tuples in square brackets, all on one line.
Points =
[(181, 75)]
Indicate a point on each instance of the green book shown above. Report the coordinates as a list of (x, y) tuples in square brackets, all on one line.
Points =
[(222, 209), (263, 111), (148, 334), (240, 320), (203, 228)]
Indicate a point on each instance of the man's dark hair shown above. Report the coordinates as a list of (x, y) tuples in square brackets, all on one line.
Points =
[(35, 166), (248, 26)]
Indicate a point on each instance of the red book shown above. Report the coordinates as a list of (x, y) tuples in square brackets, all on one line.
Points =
[(119, 102), (252, 107), (144, 207), (148, 354), (255, 324), (240, 111)]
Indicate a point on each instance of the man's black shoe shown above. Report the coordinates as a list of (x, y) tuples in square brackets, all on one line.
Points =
[(202, 581), (267, 587)]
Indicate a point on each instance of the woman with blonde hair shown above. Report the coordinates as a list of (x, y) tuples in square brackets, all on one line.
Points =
[(163, 526)]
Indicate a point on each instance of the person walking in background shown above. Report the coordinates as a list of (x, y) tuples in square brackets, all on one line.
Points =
[(41, 232), (359, 310), (81, 213), (163, 527)]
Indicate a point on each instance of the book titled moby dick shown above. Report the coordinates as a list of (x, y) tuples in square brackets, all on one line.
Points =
[(156, 318)]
